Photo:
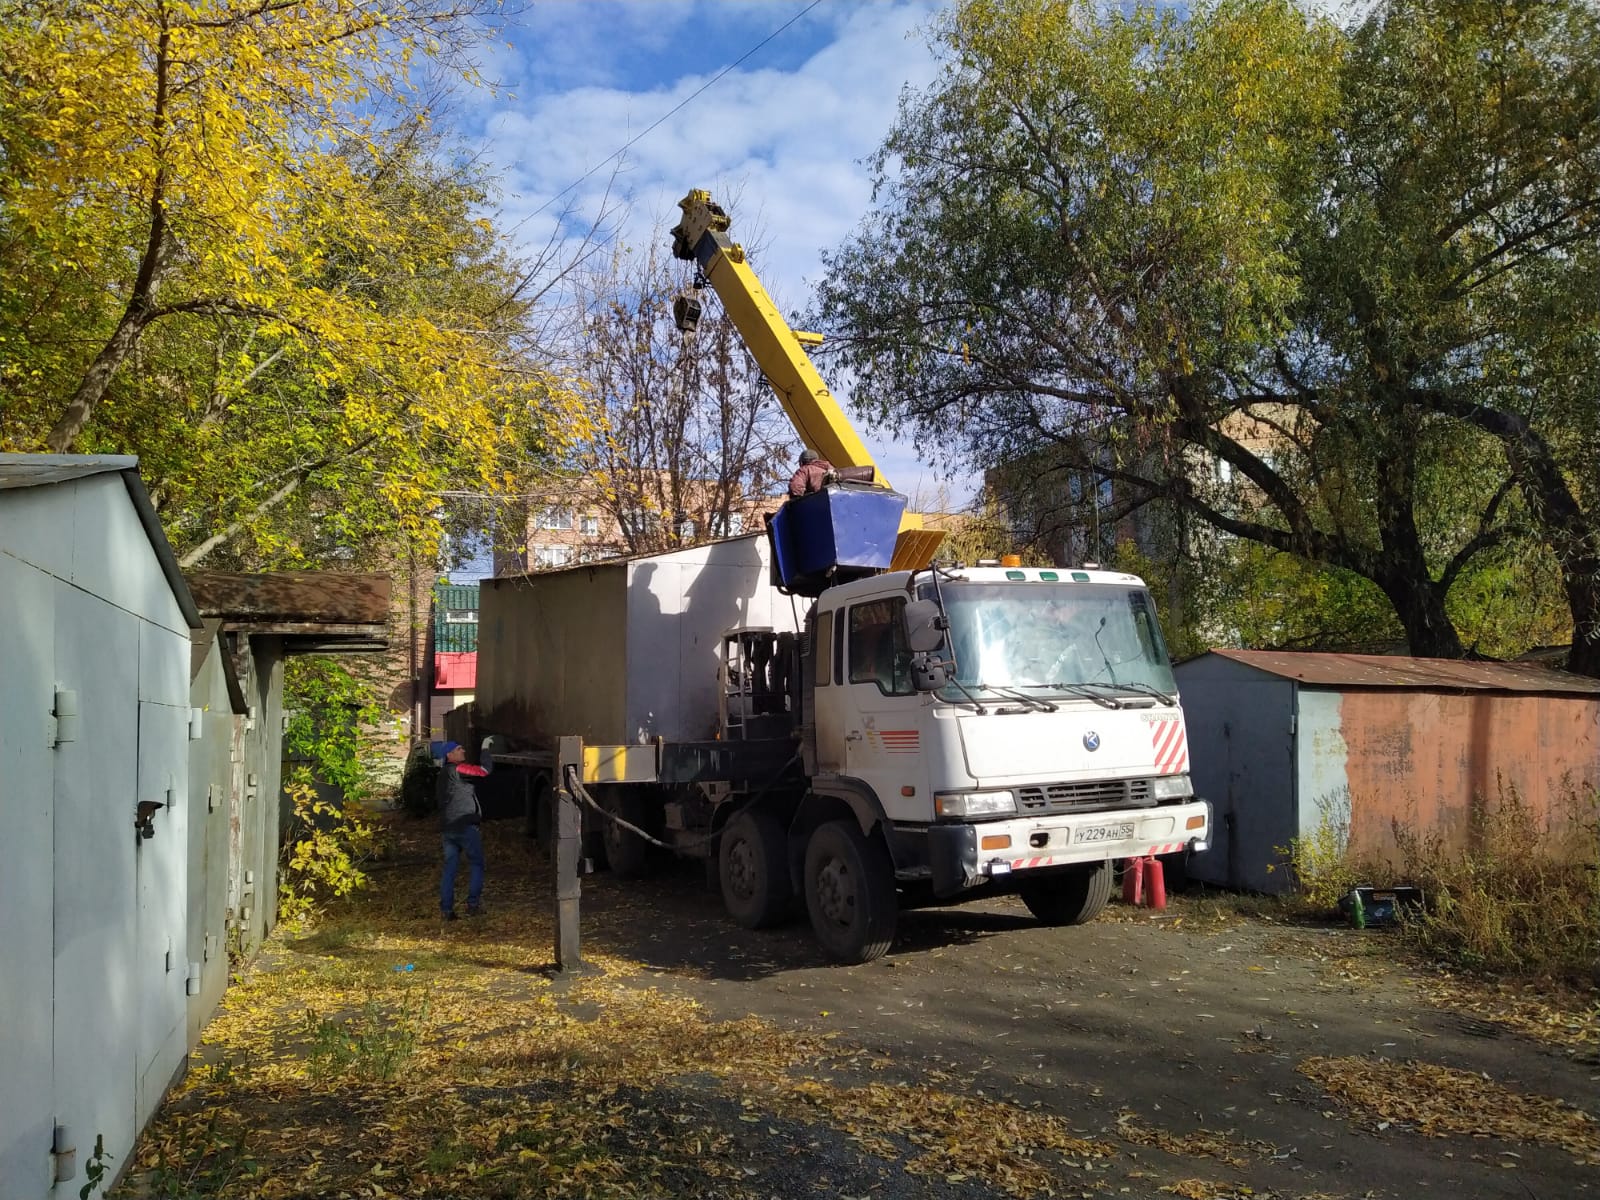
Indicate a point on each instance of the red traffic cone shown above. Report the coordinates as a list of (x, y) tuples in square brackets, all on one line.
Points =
[(1156, 883), (1133, 881)]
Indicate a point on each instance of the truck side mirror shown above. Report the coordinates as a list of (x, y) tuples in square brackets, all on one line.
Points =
[(925, 626), (929, 674)]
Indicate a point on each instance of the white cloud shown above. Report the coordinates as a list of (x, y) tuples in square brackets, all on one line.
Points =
[(790, 143), (785, 145)]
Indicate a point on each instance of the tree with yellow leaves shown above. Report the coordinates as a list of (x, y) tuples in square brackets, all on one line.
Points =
[(230, 242)]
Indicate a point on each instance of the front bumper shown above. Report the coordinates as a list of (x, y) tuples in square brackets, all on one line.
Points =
[(958, 859)]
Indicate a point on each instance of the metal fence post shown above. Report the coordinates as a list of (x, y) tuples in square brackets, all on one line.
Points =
[(568, 856)]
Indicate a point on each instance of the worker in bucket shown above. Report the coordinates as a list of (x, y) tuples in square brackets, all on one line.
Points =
[(461, 815), (813, 475)]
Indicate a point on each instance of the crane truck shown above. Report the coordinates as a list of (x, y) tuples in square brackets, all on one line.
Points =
[(832, 720)]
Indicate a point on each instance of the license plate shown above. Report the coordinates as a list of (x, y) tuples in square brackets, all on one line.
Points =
[(1120, 832)]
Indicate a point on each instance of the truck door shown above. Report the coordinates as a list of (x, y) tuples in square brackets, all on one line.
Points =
[(880, 717), (827, 662)]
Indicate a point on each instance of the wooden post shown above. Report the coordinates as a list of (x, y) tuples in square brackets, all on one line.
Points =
[(568, 856)]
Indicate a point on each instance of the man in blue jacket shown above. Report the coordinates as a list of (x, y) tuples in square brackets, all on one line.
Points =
[(461, 814)]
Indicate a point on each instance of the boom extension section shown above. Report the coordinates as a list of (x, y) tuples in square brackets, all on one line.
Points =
[(702, 237)]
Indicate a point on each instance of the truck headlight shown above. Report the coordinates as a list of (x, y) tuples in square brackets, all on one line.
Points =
[(974, 804), (1172, 787)]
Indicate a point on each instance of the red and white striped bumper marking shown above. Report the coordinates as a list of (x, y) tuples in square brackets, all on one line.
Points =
[(1023, 864), (1171, 745)]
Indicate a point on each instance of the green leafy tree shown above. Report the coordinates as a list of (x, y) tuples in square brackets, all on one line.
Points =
[(231, 242), (1333, 293), (330, 738)]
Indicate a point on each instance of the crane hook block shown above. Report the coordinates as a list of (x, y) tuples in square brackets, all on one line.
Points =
[(686, 310)]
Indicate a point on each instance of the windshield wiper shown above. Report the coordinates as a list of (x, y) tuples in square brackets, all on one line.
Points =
[(1145, 689), (1013, 694), (975, 702), (1141, 689), (1082, 691)]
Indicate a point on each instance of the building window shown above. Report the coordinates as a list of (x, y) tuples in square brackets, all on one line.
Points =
[(461, 616), (556, 518), (589, 525), (686, 530), (727, 524), (545, 557), (637, 522)]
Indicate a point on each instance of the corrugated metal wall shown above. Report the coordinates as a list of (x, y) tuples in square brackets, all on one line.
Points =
[(1242, 758), (1279, 759), (1428, 759), (92, 918)]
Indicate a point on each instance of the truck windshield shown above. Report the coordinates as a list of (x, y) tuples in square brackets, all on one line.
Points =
[(1045, 637)]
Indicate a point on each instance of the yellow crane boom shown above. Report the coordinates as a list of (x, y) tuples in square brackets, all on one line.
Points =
[(702, 237)]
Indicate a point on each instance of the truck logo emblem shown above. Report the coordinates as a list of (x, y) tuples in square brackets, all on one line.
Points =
[(1091, 741)]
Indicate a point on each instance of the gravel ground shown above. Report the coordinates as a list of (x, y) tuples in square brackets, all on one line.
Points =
[(1175, 1037)]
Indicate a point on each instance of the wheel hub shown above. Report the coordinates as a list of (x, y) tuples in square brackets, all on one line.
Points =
[(836, 892), (741, 869)]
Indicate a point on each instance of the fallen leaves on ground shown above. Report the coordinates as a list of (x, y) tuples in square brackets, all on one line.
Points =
[(1442, 1102), (1560, 1015), (385, 1053), (1202, 1143), (1204, 1189)]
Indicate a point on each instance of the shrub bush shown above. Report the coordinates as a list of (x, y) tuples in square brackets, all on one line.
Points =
[(1321, 863), (417, 785), (1522, 899)]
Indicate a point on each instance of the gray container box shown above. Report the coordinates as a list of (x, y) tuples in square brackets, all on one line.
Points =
[(623, 651)]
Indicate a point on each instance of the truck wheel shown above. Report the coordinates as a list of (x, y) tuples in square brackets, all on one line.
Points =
[(540, 822), (1070, 899), (627, 854), (753, 868), (850, 893)]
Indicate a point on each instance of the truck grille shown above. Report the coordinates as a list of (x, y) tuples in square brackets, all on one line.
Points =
[(1099, 793)]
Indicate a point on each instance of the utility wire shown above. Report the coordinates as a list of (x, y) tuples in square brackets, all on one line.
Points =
[(674, 111)]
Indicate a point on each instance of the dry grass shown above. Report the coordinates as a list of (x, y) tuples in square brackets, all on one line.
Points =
[(1523, 899)]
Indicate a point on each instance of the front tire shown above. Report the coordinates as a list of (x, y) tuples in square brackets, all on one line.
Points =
[(850, 893), (753, 868), (1070, 899)]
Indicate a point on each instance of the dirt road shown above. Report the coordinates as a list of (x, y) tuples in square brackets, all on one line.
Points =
[(1184, 1044), (1200, 1055)]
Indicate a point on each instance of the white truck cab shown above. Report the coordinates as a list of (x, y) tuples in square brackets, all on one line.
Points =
[(1012, 725)]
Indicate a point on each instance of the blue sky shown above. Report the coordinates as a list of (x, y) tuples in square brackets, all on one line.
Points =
[(783, 137)]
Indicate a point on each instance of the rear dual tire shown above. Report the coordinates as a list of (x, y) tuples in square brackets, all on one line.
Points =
[(627, 854), (850, 892), (753, 869)]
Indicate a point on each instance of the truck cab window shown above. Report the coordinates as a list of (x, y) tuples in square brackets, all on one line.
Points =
[(878, 650), (822, 648)]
